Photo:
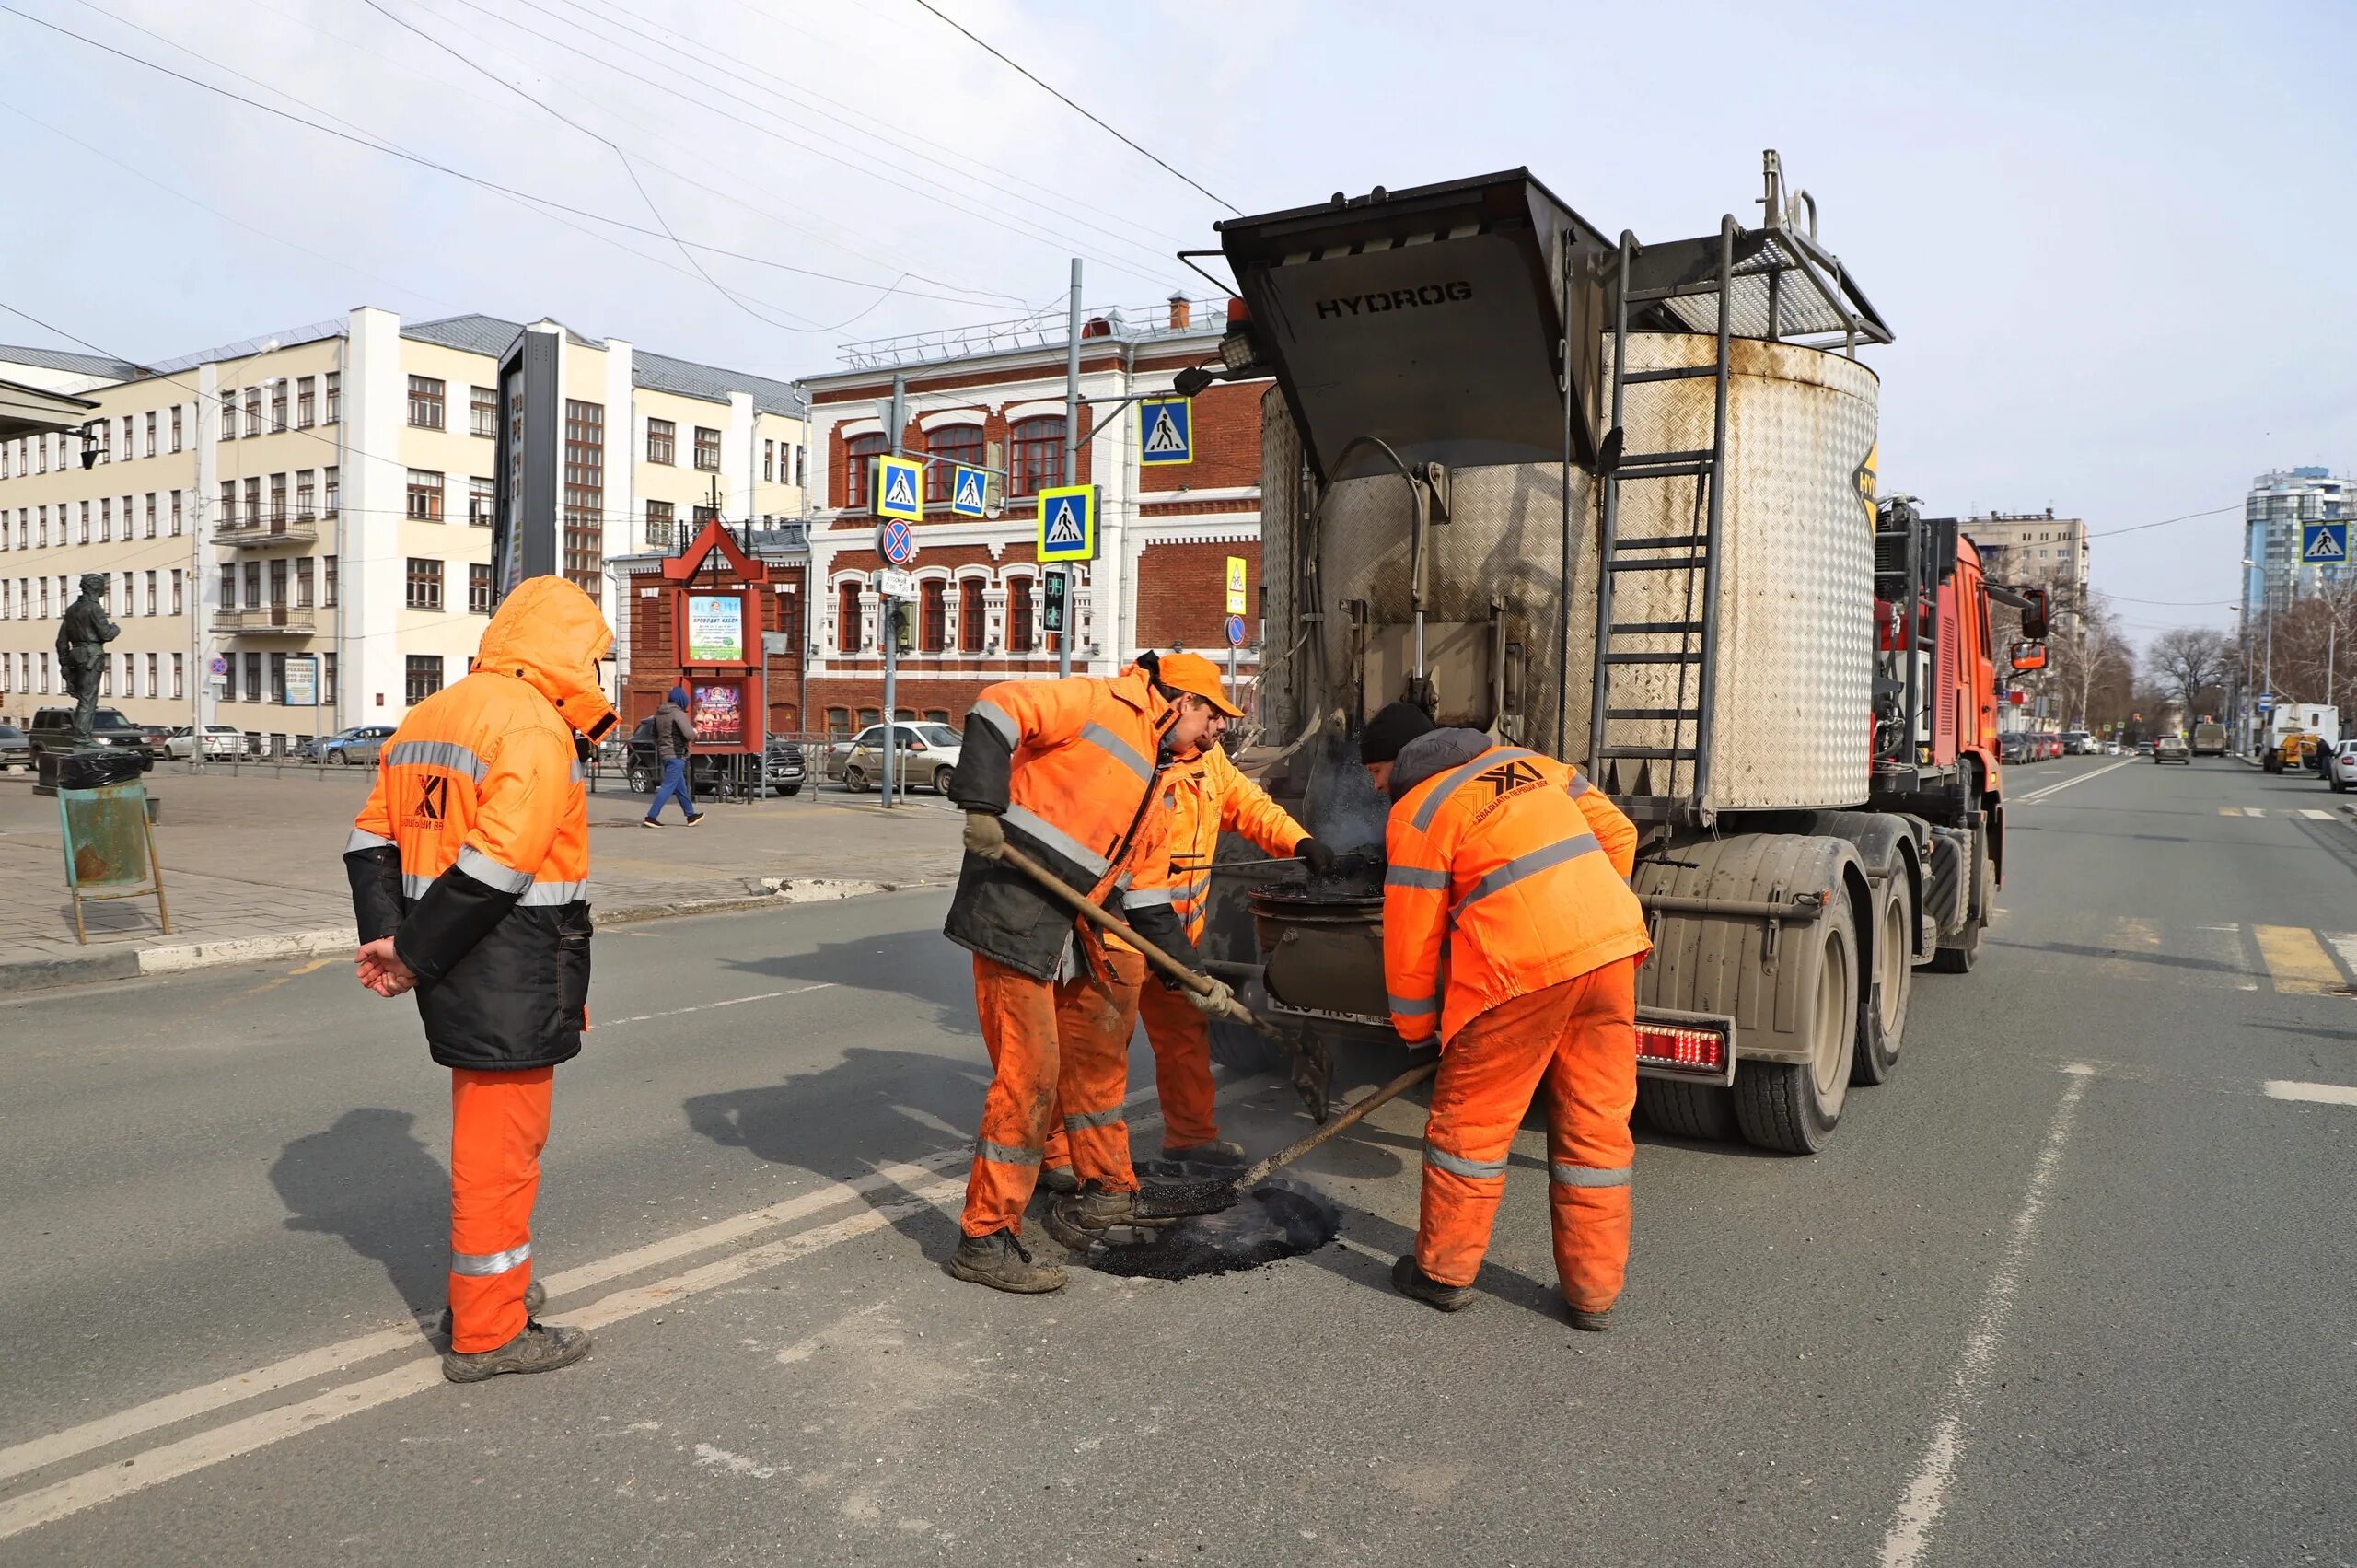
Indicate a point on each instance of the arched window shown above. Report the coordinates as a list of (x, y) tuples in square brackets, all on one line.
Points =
[(973, 620), (1019, 615), (856, 453), (847, 618), (1036, 455), (933, 633), (950, 444)]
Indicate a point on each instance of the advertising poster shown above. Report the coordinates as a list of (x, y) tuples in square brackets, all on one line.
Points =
[(303, 680), (716, 629), (717, 709)]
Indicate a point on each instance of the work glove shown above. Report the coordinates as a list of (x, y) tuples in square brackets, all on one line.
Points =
[(1322, 860), (1218, 1002), (985, 835)]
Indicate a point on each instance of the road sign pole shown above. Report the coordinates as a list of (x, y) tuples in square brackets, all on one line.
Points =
[(1072, 457), (889, 628)]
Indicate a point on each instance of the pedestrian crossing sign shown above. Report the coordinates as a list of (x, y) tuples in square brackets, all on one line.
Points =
[(896, 489), (2324, 544), (966, 491), (1170, 432), (1068, 523)]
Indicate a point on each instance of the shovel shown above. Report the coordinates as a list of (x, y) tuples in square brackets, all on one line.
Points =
[(1312, 1071)]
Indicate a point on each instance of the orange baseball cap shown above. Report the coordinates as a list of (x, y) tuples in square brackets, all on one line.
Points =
[(1198, 677)]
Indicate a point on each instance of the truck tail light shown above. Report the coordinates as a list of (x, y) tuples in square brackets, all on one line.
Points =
[(1696, 1048)]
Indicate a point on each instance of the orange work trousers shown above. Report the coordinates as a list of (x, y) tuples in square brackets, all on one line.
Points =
[(499, 1123), (1181, 1039), (1576, 1041), (1056, 1049)]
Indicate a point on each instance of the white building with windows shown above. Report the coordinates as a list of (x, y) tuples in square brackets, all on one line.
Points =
[(311, 511), (2274, 516), (2034, 547)]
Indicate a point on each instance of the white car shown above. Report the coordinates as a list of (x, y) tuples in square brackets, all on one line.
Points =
[(929, 754), (2341, 772), (222, 743)]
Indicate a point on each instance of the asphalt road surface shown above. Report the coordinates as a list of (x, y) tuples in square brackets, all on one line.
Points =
[(2075, 1287)]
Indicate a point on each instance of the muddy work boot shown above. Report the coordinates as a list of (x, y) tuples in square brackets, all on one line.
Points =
[(1060, 1181), (1219, 1152), (1409, 1279), (539, 1348), (1098, 1209), (536, 1297), (1001, 1261), (1591, 1322)]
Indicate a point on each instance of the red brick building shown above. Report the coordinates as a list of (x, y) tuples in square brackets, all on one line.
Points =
[(993, 397)]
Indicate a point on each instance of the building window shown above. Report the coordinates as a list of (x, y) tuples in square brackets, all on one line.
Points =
[(858, 453), (971, 617), (950, 444), (253, 502), (867, 716), (147, 525), (422, 676), (228, 585), (106, 519), (278, 678), (326, 681), (278, 501), (306, 495), (228, 414), (278, 404), (482, 410), (179, 591), (658, 525), (253, 584), (769, 459), (838, 719), (307, 401), (334, 384), (332, 494), (933, 629), (847, 618), (229, 502), (254, 411), (278, 583), (584, 494), (425, 495), (253, 677), (180, 676), (798, 452), (151, 599), (327, 580), (481, 496), (707, 449), (1019, 615), (478, 589), (661, 442), (150, 450), (175, 514), (425, 402), (703, 514), (229, 678), (1036, 458), (424, 584), (303, 582)]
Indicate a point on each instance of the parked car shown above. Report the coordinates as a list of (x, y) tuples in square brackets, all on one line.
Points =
[(52, 730), (2078, 743), (16, 751), (929, 755), (2172, 749), (2340, 771), (357, 746), (2012, 746), (785, 768), (222, 743)]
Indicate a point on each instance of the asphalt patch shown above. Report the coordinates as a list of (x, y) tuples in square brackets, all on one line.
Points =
[(1279, 1218)]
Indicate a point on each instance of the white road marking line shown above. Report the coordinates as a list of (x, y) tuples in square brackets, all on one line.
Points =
[(2345, 944), (1919, 1510), (708, 1007), (115, 1479), (2033, 799), (2313, 815), (2313, 1094)]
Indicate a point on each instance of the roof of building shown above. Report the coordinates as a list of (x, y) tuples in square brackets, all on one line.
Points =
[(74, 363), (657, 372), (479, 333), (318, 331)]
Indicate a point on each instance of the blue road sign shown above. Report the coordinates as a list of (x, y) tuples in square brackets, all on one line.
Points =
[(897, 543), (896, 489), (1235, 631), (1170, 426), (2324, 544), (1068, 523), (967, 491)]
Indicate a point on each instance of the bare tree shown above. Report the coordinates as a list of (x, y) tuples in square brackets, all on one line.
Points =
[(2189, 662)]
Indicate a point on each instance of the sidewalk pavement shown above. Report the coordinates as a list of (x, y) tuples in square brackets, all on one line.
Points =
[(253, 866)]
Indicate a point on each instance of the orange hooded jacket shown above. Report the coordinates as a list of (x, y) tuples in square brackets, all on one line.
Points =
[(1207, 795)]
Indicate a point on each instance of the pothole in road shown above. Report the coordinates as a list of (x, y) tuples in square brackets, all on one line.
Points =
[(1280, 1218)]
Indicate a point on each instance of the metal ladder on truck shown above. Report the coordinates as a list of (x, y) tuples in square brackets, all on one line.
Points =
[(1624, 769)]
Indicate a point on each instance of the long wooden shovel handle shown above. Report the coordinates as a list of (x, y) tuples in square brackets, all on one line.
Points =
[(1080, 904), (1356, 1113)]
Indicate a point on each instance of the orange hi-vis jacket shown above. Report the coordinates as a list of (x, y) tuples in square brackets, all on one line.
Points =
[(1207, 795), (472, 852), (1069, 766), (1507, 874)]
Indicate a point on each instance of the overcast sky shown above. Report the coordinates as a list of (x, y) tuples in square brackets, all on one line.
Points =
[(2114, 242)]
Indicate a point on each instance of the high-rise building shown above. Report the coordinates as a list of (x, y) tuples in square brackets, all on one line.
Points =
[(2273, 513), (312, 510)]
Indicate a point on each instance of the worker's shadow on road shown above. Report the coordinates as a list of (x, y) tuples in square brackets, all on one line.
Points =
[(872, 1109), (369, 1182), (922, 965)]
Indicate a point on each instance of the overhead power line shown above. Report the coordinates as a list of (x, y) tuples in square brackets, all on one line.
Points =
[(2139, 527), (1155, 159)]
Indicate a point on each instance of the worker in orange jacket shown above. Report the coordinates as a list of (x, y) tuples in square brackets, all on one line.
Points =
[(1064, 771), (469, 871), (1510, 937)]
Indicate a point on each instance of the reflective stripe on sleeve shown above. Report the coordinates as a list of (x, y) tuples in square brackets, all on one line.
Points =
[(1587, 1176), (579, 773), (1578, 787), (1051, 837), (542, 895), (1007, 1154), (1450, 782), (1147, 898), (435, 754), (413, 885), (363, 838), (479, 1263), (1081, 1121), (490, 873), (1523, 865), (998, 719), (1413, 1006), (1121, 751), (1457, 1164), (1414, 876)]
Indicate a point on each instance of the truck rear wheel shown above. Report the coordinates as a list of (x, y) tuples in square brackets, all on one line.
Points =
[(1883, 1019), (1701, 1111), (1240, 1049), (1960, 956), (1792, 1107)]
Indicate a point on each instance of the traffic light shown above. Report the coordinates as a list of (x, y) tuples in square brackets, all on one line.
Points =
[(903, 629), (1051, 609)]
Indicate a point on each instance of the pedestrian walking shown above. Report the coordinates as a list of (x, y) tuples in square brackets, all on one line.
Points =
[(675, 738), (1510, 935), (470, 870)]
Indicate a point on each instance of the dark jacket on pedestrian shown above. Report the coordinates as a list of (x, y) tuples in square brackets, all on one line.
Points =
[(674, 732)]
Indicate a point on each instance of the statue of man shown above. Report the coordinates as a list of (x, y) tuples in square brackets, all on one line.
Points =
[(82, 642)]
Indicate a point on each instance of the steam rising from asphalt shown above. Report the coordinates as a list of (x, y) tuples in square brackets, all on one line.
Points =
[(1342, 807)]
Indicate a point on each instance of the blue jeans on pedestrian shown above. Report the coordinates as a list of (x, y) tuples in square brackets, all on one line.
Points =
[(674, 782)]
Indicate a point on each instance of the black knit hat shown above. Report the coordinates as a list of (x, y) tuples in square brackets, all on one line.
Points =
[(1390, 730)]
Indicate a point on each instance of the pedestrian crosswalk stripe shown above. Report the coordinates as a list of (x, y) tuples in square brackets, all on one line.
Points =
[(2313, 815), (2295, 960)]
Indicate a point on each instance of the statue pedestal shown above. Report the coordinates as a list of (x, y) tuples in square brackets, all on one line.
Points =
[(84, 767)]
